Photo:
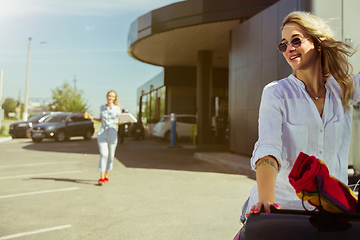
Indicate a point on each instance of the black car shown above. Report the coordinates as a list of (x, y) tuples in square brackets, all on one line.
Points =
[(22, 129), (63, 126)]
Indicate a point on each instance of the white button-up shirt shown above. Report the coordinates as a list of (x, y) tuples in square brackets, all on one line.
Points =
[(290, 123), (109, 117)]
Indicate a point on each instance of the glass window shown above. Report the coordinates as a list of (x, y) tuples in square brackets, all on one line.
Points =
[(152, 115), (187, 119), (57, 118), (162, 92)]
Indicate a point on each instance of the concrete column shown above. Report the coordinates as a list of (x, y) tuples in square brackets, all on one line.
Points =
[(203, 96)]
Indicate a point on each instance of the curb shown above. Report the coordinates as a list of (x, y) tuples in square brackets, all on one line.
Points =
[(239, 163), (3, 139)]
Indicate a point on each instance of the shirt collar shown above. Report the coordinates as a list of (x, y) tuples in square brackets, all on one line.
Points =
[(296, 81), (301, 84)]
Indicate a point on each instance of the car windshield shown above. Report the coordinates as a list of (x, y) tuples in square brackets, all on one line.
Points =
[(43, 118), (164, 118), (56, 118), (36, 117)]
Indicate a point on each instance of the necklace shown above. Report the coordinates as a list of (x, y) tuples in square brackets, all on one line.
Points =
[(315, 97)]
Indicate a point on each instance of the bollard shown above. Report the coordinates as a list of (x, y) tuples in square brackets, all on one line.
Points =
[(173, 129), (193, 134)]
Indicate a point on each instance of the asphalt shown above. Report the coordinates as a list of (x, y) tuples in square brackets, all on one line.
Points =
[(240, 164), (50, 191), (215, 154)]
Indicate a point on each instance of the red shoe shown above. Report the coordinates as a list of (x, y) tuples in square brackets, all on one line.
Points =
[(106, 180), (101, 181)]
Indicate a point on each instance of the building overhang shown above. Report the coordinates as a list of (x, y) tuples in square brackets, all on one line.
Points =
[(172, 35)]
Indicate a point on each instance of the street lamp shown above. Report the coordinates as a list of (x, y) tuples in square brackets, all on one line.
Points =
[(26, 105)]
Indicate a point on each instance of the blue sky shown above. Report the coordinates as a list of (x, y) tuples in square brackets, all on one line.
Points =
[(85, 39)]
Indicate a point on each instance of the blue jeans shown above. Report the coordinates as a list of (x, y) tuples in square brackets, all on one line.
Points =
[(107, 141)]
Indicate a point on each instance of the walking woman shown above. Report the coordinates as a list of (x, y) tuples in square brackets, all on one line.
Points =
[(308, 111), (107, 135)]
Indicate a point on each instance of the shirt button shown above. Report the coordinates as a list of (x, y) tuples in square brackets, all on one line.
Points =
[(321, 130), (320, 152)]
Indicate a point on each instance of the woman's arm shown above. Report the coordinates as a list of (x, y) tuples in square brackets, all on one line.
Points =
[(269, 145), (91, 117), (266, 173), (95, 119)]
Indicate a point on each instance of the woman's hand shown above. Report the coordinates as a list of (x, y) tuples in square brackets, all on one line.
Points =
[(88, 116), (265, 206)]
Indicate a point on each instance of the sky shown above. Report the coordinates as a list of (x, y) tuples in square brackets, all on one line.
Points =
[(86, 41)]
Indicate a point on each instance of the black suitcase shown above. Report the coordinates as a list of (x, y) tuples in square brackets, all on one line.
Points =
[(295, 224)]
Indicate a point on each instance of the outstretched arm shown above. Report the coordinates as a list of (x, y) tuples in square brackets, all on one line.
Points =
[(266, 174), (92, 118)]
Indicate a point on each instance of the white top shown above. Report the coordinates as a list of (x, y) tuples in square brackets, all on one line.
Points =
[(109, 117), (289, 123)]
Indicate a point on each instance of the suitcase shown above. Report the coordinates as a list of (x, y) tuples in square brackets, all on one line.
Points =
[(296, 224)]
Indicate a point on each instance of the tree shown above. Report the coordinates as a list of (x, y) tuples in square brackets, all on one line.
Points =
[(67, 99), (9, 105)]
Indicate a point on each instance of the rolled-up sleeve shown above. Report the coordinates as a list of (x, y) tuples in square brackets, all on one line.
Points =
[(270, 125)]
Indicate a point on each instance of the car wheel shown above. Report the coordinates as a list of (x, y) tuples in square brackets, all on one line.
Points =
[(28, 133), (88, 134), (168, 136), (60, 136), (37, 140)]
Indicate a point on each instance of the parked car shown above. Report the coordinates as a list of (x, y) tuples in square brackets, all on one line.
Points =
[(184, 123), (137, 130), (22, 129), (63, 126)]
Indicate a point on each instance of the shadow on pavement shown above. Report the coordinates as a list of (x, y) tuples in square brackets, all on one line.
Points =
[(151, 153), (83, 181), (76, 145), (157, 154)]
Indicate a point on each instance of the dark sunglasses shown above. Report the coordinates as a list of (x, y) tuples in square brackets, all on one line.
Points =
[(296, 42)]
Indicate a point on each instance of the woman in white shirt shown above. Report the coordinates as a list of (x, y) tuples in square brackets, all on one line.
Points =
[(308, 112), (107, 135)]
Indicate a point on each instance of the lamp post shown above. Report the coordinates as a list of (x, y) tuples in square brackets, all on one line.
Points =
[(26, 104)]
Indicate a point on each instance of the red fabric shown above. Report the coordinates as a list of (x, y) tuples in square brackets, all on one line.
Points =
[(308, 173)]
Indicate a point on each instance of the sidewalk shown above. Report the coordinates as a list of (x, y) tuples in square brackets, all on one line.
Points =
[(221, 155), (239, 163), (3, 139)]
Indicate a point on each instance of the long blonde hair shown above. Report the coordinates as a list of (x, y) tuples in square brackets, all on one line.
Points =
[(116, 101), (334, 57)]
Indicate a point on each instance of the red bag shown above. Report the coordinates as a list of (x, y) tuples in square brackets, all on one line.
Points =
[(312, 182)]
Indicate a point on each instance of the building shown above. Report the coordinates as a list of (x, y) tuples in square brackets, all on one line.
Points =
[(226, 50)]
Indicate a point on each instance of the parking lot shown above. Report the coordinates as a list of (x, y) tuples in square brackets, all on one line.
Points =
[(49, 191)]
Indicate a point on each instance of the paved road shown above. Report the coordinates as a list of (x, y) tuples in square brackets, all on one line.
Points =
[(49, 191)]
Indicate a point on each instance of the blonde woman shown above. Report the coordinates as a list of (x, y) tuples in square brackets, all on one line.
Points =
[(308, 112), (107, 135)]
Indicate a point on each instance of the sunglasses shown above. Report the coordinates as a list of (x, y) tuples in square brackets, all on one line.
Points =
[(296, 42)]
